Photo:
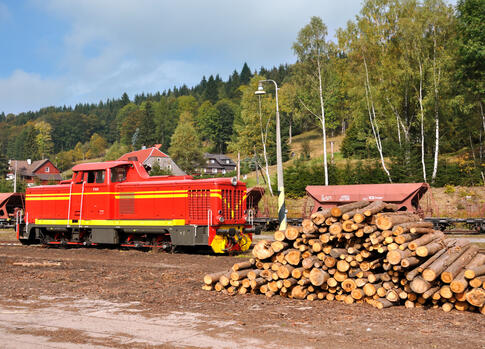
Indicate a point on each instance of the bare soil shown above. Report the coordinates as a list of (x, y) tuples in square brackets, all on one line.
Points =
[(133, 299)]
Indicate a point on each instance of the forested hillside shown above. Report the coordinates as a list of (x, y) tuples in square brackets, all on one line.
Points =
[(403, 82)]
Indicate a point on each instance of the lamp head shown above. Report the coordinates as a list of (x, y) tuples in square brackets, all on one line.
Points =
[(260, 90)]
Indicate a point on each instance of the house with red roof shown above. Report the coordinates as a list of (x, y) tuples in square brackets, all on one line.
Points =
[(40, 171), (152, 155)]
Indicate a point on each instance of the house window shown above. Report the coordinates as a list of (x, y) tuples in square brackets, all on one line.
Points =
[(214, 170), (224, 171), (205, 170), (47, 169), (227, 161), (213, 161)]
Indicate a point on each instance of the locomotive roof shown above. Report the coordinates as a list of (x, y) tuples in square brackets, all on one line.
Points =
[(91, 166)]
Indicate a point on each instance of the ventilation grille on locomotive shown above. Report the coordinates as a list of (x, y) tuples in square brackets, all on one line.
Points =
[(232, 204), (199, 203)]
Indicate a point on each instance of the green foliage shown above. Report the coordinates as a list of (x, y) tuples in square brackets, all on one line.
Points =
[(115, 151), (157, 171), (449, 189), (186, 146), (64, 160)]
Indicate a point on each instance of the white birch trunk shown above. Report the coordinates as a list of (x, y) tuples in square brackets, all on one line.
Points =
[(322, 119), (372, 117), (436, 81), (422, 118)]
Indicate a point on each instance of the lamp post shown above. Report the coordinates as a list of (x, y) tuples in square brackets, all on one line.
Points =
[(279, 161)]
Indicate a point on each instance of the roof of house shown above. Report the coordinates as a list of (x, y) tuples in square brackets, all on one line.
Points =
[(26, 169), (143, 154), (220, 161)]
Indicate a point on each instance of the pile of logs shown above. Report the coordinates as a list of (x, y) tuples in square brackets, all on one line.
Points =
[(362, 252)]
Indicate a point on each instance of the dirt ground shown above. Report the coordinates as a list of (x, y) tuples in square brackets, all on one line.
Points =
[(110, 298)]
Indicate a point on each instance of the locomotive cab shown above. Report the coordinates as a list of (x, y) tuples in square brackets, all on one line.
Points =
[(118, 203)]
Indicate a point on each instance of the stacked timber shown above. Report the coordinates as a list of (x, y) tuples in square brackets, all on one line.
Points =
[(362, 252)]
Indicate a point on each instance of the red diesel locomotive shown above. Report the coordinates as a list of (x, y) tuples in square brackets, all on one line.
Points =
[(118, 203)]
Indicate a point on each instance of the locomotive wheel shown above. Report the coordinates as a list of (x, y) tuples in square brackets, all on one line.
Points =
[(162, 242)]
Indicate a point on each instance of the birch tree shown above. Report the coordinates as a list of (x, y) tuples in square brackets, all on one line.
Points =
[(312, 50)]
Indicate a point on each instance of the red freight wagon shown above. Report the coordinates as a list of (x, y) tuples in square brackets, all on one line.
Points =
[(406, 195), (118, 203)]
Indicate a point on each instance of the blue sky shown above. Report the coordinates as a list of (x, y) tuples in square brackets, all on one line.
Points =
[(63, 52)]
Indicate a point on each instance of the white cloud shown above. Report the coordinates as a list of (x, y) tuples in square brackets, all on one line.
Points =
[(5, 14), (23, 91)]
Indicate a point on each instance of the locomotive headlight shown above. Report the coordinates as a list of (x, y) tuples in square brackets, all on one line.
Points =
[(220, 211), (234, 181), (220, 219)]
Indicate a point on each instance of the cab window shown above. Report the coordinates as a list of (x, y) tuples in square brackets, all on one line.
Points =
[(118, 174), (94, 177)]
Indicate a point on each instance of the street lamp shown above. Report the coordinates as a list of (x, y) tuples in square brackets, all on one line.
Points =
[(279, 162)]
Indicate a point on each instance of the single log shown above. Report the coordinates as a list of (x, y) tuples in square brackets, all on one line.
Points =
[(279, 235), (293, 257), (476, 297), (430, 292), (319, 217), (395, 256), (209, 279), (419, 269), (279, 246), (246, 283), (419, 285), (393, 295), (318, 276), (339, 210), (449, 274), (478, 281), (431, 248), (459, 283), (224, 279), (343, 266), (308, 226), (447, 307), (401, 239), (289, 282), (308, 262), (242, 265), (284, 271), (299, 292), (339, 276), (410, 261), (425, 239), (382, 303), (297, 273), (292, 233), (445, 292), (377, 206), (263, 250), (335, 228), (348, 225), (407, 227), (349, 284), (387, 221), (240, 274), (476, 267), (218, 287), (207, 287)]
